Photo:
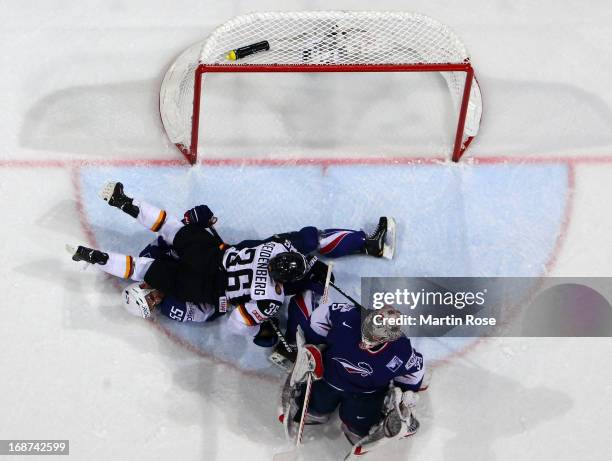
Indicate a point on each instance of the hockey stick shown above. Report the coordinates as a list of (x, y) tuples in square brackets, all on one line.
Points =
[(345, 295), (325, 297), (215, 234), (298, 439), (293, 454), (281, 336)]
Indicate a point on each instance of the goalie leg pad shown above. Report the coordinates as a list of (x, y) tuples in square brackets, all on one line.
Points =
[(323, 400), (351, 436), (359, 412), (391, 428)]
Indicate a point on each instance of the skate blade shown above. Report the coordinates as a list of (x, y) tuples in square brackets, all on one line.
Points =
[(107, 191), (389, 245), (71, 249)]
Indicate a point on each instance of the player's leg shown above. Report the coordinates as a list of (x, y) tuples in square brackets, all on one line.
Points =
[(359, 412), (397, 422), (150, 216), (329, 242), (335, 243), (119, 265), (168, 275), (324, 400)]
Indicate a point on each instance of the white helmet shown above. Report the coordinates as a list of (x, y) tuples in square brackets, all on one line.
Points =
[(376, 331), (135, 299)]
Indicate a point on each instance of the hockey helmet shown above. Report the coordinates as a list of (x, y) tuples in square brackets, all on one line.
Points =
[(288, 266), (140, 300), (376, 328)]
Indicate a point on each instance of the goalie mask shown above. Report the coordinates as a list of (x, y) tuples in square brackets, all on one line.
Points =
[(376, 328), (287, 267), (139, 300)]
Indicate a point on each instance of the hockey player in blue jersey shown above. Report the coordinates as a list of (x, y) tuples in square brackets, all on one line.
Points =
[(367, 370)]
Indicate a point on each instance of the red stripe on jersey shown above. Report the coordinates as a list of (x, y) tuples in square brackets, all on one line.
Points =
[(299, 300), (333, 244)]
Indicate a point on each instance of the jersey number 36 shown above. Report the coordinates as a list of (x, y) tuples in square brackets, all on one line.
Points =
[(239, 271)]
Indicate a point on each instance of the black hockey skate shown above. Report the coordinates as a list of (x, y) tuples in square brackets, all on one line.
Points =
[(381, 243), (112, 193), (89, 255)]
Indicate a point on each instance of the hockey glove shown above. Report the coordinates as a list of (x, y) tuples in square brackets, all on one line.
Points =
[(318, 273), (309, 360), (266, 337), (200, 214)]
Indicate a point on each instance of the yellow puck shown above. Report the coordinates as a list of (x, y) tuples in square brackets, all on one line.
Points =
[(231, 55)]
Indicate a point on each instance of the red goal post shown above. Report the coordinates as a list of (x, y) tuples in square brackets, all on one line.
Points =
[(315, 42)]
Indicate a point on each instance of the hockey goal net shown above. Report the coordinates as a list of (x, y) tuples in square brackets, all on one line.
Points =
[(316, 42)]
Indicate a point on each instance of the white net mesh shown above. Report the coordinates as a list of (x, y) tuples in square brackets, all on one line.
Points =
[(176, 97), (327, 37)]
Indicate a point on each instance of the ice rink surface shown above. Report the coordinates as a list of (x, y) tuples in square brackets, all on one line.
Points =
[(80, 87)]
